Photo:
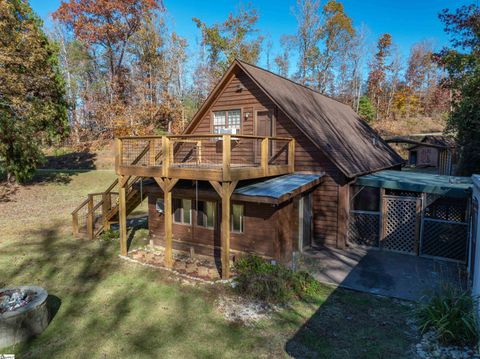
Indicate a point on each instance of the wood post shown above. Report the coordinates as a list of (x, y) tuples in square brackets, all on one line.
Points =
[(291, 155), (264, 156), (152, 152), (118, 154), (75, 223), (122, 217), (383, 215), (342, 216), (226, 157), (90, 215), (167, 184), (225, 191), (167, 198), (165, 155)]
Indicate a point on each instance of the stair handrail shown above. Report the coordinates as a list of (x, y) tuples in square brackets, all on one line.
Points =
[(109, 190)]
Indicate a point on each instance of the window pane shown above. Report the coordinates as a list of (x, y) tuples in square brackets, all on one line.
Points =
[(177, 210), (234, 119), (201, 214), (219, 118), (159, 205), (368, 199), (237, 218), (187, 210), (210, 214)]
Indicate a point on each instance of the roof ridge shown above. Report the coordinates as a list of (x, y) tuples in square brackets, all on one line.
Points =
[(294, 82)]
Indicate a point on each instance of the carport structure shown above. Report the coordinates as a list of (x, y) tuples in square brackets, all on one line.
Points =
[(413, 213)]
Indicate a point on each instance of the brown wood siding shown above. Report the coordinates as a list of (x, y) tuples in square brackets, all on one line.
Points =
[(325, 198), (286, 231), (307, 156), (259, 220), (249, 99)]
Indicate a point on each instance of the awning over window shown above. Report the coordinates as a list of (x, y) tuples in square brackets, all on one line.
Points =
[(278, 188), (449, 186)]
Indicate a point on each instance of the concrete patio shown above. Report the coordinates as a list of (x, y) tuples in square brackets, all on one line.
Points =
[(380, 272)]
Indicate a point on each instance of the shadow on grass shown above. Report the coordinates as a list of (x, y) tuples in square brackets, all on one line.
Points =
[(53, 305), (354, 325), (105, 307), (72, 160)]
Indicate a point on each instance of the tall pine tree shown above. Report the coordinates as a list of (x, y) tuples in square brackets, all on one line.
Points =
[(32, 104)]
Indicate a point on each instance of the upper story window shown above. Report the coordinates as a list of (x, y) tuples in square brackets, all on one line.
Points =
[(226, 121)]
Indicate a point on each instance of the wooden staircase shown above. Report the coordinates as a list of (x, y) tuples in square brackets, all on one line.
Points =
[(100, 210)]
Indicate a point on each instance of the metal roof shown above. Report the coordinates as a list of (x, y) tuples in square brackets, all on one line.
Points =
[(449, 186), (278, 187), (340, 133), (476, 181)]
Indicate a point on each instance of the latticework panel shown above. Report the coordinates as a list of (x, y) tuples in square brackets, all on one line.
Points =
[(400, 225), (444, 239), (447, 209), (401, 193), (364, 228)]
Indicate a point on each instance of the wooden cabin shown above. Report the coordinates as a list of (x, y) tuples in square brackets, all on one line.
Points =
[(264, 167), (435, 152)]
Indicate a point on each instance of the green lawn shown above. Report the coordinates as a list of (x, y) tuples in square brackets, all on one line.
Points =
[(109, 308)]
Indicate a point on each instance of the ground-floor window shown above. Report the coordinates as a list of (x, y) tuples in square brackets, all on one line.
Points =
[(206, 214), (365, 198), (237, 217), (182, 211)]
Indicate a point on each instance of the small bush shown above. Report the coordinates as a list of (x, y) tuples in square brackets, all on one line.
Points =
[(273, 283), (109, 235), (450, 313)]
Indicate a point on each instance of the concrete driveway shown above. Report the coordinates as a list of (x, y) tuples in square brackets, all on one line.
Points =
[(373, 271)]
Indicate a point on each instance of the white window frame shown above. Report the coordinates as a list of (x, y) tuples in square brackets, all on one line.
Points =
[(182, 213), (205, 216), (226, 124), (242, 219)]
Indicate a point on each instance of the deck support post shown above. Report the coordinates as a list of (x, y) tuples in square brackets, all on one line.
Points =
[(122, 216), (225, 190), (167, 184)]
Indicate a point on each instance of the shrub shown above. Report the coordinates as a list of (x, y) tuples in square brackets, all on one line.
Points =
[(450, 313), (109, 235), (273, 283)]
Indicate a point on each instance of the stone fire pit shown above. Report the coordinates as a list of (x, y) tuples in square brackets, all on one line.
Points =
[(23, 314)]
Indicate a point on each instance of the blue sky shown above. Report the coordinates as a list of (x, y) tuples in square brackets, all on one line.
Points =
[(408, 21)]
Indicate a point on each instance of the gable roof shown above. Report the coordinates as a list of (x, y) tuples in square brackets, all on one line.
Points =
[(440, 141), (334, 128)]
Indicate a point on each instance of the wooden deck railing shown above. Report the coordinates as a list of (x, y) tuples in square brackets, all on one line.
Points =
[(205, 157)]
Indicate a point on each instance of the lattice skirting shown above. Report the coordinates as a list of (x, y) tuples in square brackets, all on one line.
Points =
[(442, 239), (364, 229), (400, 225)]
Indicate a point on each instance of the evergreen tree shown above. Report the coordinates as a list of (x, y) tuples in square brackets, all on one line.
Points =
[(32, 105), (366, 109)]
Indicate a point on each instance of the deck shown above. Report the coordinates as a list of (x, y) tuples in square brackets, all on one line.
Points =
[(204, 157)]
